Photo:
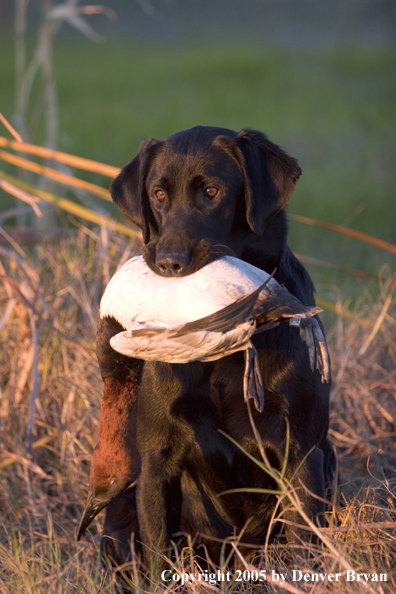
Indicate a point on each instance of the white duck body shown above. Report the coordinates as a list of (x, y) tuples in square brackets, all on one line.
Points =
[(204, 316), (138, 297)]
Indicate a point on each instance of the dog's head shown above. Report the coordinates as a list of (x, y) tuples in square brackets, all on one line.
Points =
[(199, 193)]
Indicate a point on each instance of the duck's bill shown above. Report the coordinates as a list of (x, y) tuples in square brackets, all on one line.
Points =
[(92, 507), (95, 503)]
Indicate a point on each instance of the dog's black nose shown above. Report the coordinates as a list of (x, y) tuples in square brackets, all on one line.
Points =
[(171, 262)]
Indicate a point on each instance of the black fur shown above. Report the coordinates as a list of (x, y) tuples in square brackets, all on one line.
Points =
[(185, 410)]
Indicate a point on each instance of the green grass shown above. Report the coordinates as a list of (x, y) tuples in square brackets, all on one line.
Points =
[(333, 109)]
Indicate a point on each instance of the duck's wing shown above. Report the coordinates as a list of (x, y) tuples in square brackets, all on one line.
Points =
[(229, 317), (275, 304), (158, 344)]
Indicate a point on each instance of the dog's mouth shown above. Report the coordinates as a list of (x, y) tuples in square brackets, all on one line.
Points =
[(176, 261)]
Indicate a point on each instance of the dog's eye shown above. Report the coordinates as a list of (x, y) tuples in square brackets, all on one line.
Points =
[(160, 195), (211, 192)]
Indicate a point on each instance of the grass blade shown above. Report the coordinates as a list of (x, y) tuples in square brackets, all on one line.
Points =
[(56, 175), (379, 243), (21, 195), (79, 162), (70, 206), (12, 130)]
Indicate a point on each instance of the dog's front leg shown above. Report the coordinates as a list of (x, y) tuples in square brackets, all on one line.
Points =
[(163, 440), (173, 409), (159, 501), (309, 484)]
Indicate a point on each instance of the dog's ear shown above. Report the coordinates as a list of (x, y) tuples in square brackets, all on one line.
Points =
[(128, 190), (270, 175)]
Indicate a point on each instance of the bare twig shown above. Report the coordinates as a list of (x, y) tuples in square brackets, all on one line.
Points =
[(377, 325), (7, 313), (20, 63), (21, 195), (36, 378), (12, 130), (30, 305), (14, 212)]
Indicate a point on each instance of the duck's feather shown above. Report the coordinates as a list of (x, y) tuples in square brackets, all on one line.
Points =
[(162, 345)]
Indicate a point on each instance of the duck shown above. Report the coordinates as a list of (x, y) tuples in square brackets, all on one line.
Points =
[(207, 315), (115, 463)]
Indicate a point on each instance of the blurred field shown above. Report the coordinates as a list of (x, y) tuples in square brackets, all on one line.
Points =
[(332, 108)]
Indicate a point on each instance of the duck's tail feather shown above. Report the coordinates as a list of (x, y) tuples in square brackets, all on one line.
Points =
[(311, 333), (279, 305)]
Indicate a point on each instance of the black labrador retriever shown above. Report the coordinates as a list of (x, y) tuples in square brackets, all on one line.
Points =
[(198, 195)]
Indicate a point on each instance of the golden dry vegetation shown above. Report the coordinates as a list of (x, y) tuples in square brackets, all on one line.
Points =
[(50, 405)]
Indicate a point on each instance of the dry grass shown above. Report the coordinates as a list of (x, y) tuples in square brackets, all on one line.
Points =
[(50, 401)]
